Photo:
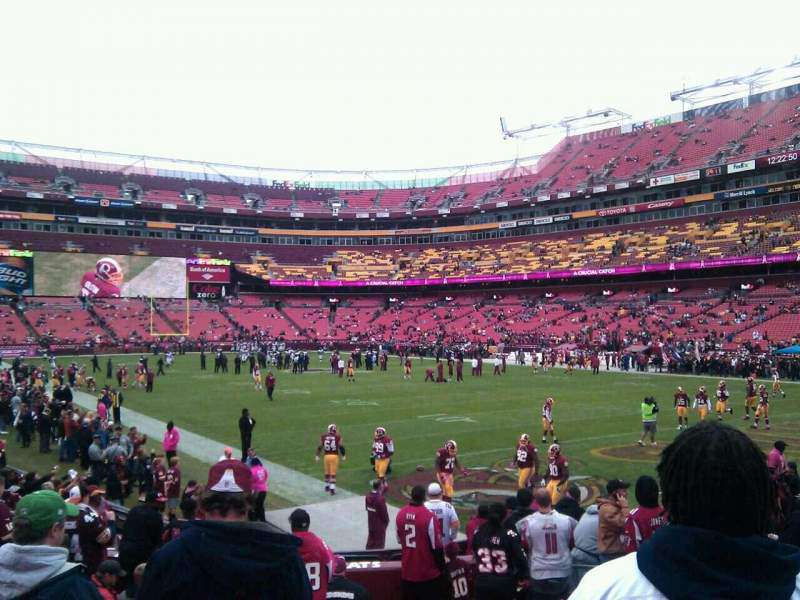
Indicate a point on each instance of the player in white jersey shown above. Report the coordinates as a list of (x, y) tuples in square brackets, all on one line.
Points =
[(776, 383), (548, 536), (444, 513)]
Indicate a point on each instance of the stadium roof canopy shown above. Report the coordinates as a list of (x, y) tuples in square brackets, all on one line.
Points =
[(790, 351)]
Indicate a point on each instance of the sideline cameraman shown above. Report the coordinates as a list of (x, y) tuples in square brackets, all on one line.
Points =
[(649, 417)]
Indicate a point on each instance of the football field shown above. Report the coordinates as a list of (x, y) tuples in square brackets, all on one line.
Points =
[(597, 417)]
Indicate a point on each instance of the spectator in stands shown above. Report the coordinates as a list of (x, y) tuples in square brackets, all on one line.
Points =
[(612, 510), (570, 503), (142, 536), (340, 587), (475, 521), (172, 438), (315, 553), (549, 537), (643, 521), (36, 559), (260, 477), (420, 537), (107, 578), (708, 473), (94, 534), (246, 559), (522, 510), (584, 554)]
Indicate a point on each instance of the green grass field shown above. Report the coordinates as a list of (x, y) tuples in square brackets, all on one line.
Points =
[(597, 417)]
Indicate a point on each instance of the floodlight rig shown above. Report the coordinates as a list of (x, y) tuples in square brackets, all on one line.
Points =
[(760, 79), (567, 125)]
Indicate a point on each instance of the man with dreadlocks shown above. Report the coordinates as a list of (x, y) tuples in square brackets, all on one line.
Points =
[(712, 548)]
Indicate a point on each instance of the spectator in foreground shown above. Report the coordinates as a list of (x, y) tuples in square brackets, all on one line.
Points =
[(242, 556), (107, 578), (340, 587), (502, 564), (584, 554), (420, 537), (315, 553), (570, 503), (475, 521), (523, 509), (549, 537), (613, 510), (142, 536), (712, 548), (644, 520), (35, 563)]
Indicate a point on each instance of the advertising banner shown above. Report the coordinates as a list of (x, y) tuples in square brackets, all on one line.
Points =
[(109, 275), (16, 272), (507, 225), (208, 270), (738, 167), (207, 291), (9, 216), (15, 351)]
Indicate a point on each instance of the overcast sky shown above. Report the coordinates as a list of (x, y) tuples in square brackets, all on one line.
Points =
[(350, 84)]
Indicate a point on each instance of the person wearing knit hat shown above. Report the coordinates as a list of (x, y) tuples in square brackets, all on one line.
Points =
[(37, 558), (224, 555), (342, 587)]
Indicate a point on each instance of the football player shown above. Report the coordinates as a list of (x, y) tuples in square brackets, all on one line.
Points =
[(763, 407), (331, 444), (722, 400), (776, 383), (547, 421), (446, 464), (105, 281), (701, 402), (407, 368), (526, 459), (681, 404), (750, 397), (350, 370), (382, 451), (557, 472), (257, 376)]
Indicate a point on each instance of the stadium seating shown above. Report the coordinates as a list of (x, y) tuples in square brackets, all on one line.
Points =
[(767, 232), (711, 136)]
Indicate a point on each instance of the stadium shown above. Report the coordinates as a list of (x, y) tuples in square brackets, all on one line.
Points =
[(428, 327)]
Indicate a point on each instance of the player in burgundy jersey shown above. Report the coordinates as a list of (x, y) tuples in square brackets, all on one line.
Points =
[(763, 407), (315, 553), (105, 281), (723, 395), (557, 473), (750, 397), (420, 537), (446, 464), (526, 459), (681, 404), (331, 444), (382, 451)]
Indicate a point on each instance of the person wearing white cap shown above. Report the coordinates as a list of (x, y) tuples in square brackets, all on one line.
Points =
[(444, 512)]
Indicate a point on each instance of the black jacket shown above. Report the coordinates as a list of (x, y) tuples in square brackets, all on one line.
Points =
[(142, 535), (571, 508), (213, 559)]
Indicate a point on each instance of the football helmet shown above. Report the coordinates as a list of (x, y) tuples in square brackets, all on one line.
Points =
[(554, 450), (451, 447), (524, 438), (680, 389), (702, 388), (380, 432), (332, 428), (549, 400), (721, 383), (108, 269), (762, 387)]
